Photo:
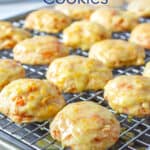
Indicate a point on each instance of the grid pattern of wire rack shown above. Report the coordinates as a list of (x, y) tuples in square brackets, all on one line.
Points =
[(135, 132)]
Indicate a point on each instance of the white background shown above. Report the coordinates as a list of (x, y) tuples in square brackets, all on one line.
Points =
[(8, 9)]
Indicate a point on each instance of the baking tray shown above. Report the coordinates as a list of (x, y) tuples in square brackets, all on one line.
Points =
[(135, 134)]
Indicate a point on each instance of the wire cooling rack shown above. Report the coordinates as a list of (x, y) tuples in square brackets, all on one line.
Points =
[(135, 134)]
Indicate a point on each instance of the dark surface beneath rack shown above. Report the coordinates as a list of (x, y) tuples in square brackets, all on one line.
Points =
[(135, 132)]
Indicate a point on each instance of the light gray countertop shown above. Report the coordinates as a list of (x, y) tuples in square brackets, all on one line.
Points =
[(9, 9)]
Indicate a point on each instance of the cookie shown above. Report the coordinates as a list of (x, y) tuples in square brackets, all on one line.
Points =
[(140, 7), (10, 70), (30, 100), (10, 35), (47, 20), (76, 74), (85, 126), (117, 53), (83, 34), (115, 20), (39, 50), (141, 35), (129, 95)]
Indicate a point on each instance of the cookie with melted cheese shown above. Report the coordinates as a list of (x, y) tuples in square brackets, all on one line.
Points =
[(10, 35), (76, 74), (39, 50), (141, 35), (83, 34), (10, 70), (115, 20), (140, 7), (85, 126), (117, 53), (47, 20), (30, 100), (129, 95)]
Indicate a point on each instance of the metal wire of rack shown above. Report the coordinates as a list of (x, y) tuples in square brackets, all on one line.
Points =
[(135, 132)]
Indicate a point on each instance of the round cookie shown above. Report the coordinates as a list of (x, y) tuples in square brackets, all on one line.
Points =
[(140, 7), (76, 74), (83, 34), (76, 11), (5, 29), (117, 53), (10, 70), (10, 35), (129, 95), (39, 50), (85, 126), (30, 100), (115, 20), (141, 35), (146, 72), (47, 20)]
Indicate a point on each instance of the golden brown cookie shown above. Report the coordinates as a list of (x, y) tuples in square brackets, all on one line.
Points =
[(10, 70), (83, 34), (30, 100), (140, 7), (117, 53), (39, 50), (10, 35), (85, 126), (115, 20), (47, 20), (76, 74), (141, 35), (129, 95)]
